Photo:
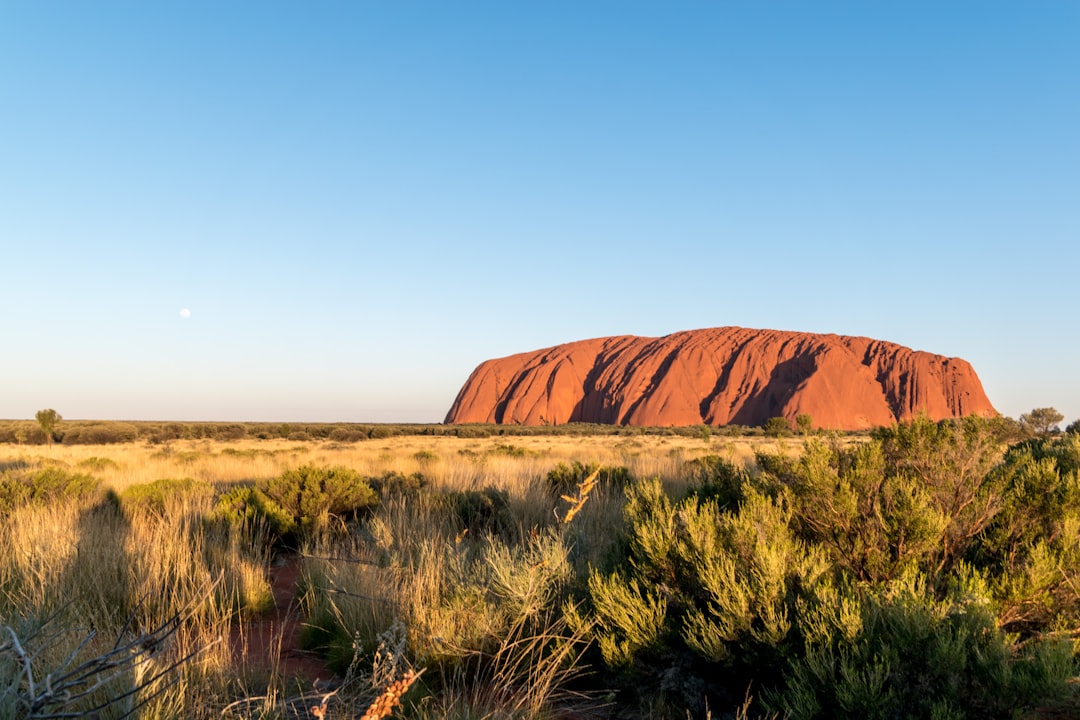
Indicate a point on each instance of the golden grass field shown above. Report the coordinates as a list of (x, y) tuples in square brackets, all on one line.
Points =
[(504, 461), (476, 578), (131, 572)]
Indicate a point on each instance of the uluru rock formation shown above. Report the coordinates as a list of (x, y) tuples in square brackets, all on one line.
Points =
[(721, 376)]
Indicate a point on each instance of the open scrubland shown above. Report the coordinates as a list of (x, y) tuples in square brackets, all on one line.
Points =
[(930, 570)]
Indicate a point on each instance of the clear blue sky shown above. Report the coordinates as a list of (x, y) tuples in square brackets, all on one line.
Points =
[(359, 202)]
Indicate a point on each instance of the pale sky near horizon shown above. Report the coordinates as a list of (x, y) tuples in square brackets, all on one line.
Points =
[(334, 211)]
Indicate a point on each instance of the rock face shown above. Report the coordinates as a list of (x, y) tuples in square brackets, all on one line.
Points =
[(721, 376)]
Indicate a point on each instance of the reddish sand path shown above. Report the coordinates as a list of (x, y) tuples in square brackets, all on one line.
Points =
[(271, 642)]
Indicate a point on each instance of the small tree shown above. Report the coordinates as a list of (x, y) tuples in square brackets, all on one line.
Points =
[(777, 427), (1042, 421), (48, 420), (804, 423)]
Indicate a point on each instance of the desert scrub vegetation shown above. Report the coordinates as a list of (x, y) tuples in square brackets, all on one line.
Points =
[(926, 570), (96, 432)]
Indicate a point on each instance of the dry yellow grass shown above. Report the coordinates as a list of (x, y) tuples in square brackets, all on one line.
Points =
[(508, 462), (100, 565)]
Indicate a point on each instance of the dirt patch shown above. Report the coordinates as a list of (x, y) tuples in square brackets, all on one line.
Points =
[(271, 642)]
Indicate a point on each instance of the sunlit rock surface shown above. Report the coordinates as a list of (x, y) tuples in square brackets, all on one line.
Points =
[(721, 376)]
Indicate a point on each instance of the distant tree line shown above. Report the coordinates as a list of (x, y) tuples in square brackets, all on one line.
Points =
[(98, 432), (48, 428)]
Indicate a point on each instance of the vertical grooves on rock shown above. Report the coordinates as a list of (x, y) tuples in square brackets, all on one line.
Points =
[(719, 376)]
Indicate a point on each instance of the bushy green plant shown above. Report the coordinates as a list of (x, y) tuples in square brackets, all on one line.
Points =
[(311, 494), (482, 512), (718, 479), (246, 504), (563, 478), (912, 656), (99, 433), (874, 525), (745, 570), (1031, 548), (154, 496), (707, 592), (97, 464), (392, 483), (777, 427), (46, 486), (629, 618)]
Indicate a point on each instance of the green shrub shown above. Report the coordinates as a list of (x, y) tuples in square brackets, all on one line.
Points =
[(509, 450), (45, 487), (1031, 547), (914, 657), (874, 525), (347, 435), (313, 494), (777, 427), (154, 496), (719, 479), (564, 479), (99, 433), (629, 617), (392, 483), (482, 512), (97, 464), (247, 504)]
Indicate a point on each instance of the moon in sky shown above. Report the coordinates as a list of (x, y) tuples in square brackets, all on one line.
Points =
[(185, 313)]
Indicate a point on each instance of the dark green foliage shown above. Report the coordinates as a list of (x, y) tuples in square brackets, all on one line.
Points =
[(950, 461), (777, 427), (311, 495), (1042, 421), (248, 504), (44, 487), (99, 433), (879, 579), (718, 479), (1031, 548), (48, 420), (95, 431), (482, 512), (393, 483), (347, 435), (914, 657), (563, 478), (872, 524), (708, 590), (155, 496)]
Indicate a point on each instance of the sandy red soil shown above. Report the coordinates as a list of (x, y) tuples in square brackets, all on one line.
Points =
[(271, 642)]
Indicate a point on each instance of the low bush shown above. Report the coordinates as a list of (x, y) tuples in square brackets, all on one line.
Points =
[(563, 478), (248, 504), (98, 464), (311, 495), (96, 433), (717, 478), (392, 483), (916, 657), (154, 496), (485, 512), (46, 486)]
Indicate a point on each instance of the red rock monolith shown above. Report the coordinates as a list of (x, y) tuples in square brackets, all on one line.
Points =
[(721, 376)]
